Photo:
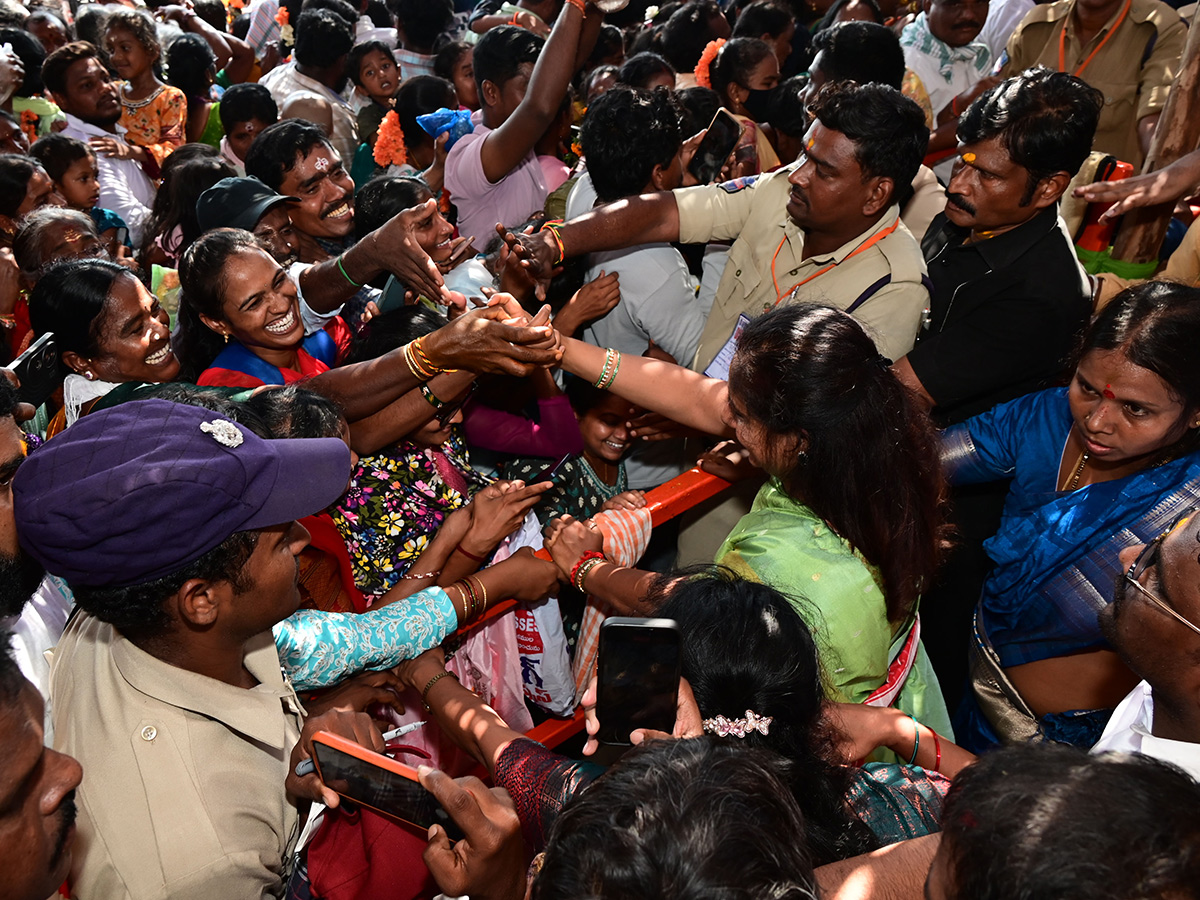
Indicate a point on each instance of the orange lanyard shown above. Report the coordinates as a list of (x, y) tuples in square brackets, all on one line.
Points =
[(1062, 42), (866, 245)]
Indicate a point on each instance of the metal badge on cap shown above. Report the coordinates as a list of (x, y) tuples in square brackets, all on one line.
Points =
[(223, 432)]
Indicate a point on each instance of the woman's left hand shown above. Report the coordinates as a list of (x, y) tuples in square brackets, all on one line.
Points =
[(567, 539), (415, 673)]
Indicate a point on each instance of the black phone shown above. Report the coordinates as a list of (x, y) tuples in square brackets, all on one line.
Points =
[(638, 684), (552, 471), (378, 781), (40, 370), (718, 142)]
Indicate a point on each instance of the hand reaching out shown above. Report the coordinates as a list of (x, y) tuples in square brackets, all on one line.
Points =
[(594, 300), (626, 500), (567, 539)]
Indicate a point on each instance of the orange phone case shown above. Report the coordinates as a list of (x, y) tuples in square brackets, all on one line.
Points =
[(350, 748)]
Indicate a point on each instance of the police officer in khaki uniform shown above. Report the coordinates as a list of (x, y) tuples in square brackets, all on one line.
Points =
[(175, 529), (1127, 49), (826, 228)]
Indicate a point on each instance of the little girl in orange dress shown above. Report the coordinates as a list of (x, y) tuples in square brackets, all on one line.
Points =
[(153, 114)]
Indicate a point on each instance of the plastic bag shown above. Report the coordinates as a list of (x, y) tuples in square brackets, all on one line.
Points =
[(541, 642), (455, 121)]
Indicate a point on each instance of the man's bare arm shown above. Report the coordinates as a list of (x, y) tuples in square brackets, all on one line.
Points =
[(895, 872), (646, 219)]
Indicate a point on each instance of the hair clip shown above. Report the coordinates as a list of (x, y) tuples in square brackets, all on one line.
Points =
[(723, 727)]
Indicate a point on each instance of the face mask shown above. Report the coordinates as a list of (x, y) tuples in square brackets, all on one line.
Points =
[(760, 103)]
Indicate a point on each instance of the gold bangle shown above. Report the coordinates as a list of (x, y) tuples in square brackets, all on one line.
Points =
[(429, 686), (482, 589)]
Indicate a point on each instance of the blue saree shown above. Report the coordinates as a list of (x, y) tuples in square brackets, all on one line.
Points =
[(1056, 551)]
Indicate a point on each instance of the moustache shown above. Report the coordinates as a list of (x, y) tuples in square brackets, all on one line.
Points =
[(334, 205), (67, 812), (961, 202)]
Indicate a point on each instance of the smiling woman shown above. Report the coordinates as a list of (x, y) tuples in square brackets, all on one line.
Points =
[(108, 327), (239, 317), (1096, 467)]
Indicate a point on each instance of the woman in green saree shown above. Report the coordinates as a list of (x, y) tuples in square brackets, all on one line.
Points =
[(849, 522)]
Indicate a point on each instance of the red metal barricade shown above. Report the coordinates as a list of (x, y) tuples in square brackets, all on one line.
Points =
[(665, 502)]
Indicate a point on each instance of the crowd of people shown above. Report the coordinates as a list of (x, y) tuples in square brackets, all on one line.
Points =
[(328, 327)]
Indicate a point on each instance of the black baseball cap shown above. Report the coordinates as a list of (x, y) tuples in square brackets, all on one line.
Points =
[(237, 203)]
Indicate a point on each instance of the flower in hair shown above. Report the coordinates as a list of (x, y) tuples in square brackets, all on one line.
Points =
[(723, 727), (706, 60), (285, 29), (389, 145)]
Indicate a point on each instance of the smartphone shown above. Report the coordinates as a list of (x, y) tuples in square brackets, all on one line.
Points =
[(718, 142), (40, 370), (552, 471), (392, 296), (372, 779), (638, 677), (460, 253)]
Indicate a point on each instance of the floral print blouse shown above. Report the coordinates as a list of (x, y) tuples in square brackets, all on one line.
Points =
[(157, 122), (396, 502)]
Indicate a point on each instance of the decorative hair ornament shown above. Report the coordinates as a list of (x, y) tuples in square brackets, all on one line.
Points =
[(389, 145), (286, 34), (706, 60), (723, 727)]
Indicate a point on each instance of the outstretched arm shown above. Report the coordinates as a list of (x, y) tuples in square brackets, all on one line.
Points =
[(1163, 186), (504, 148), (680, 394), (646, 219)]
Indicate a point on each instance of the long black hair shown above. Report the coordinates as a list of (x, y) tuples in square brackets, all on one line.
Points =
[(202, 292), (69, 301), (746, 647), (871, 467)]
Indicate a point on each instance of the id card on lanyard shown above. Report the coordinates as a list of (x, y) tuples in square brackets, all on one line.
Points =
[(719, 367)]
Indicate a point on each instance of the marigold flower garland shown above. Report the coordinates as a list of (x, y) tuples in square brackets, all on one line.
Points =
[(389, 145), (706, 60)]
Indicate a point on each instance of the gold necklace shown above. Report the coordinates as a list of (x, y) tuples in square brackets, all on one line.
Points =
[(1083, 460)]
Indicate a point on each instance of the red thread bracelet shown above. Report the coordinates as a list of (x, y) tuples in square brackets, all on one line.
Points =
[(591, 554), (469, 555)]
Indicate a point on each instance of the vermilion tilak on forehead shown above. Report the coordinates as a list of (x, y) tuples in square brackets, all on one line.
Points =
[(1108, 392)]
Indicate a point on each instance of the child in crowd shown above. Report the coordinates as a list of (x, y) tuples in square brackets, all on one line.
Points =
[(71, 165), (192, 67), (373, 70), (153, 114), (453, 62), (595, 478), (420, 96), (245, 110), (384, 197)]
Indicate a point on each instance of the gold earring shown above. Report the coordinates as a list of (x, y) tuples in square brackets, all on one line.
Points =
[(226, 338)]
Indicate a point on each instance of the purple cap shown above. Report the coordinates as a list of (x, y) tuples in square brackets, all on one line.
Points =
[(136, 492)]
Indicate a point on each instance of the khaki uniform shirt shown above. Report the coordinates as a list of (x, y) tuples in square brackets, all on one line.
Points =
[(755, 218), (183, 776), (1134, 84)]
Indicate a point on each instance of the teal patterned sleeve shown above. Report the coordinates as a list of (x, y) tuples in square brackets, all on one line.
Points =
[(318, 649)]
